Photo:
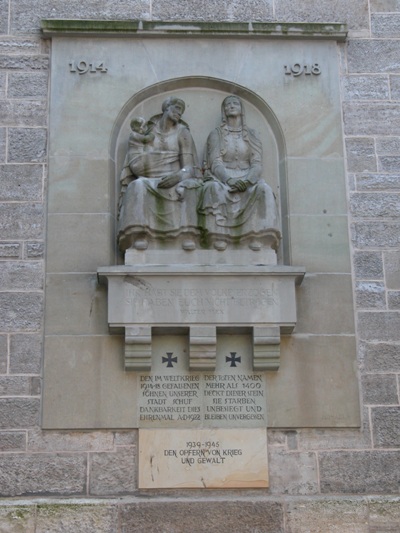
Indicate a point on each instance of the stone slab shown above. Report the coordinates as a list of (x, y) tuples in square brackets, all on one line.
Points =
[(219, 458)]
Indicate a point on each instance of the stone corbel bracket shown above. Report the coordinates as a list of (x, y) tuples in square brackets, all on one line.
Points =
[(202, 299)]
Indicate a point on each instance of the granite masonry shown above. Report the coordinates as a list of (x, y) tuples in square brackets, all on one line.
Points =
[(329, 469)]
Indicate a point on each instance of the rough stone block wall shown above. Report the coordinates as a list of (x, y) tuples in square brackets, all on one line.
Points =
[(321, 480)]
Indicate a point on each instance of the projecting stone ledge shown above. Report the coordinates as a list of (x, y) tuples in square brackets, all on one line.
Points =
[(202, 301)]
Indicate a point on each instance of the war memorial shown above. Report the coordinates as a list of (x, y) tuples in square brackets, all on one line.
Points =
[(200, 266)]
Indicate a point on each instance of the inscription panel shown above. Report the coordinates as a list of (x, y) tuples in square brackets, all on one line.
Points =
[(203, 458)]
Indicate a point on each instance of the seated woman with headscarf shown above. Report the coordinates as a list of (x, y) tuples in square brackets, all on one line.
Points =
[(236, 205)]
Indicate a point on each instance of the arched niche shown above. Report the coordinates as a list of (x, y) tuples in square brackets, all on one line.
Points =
[(203, 97)]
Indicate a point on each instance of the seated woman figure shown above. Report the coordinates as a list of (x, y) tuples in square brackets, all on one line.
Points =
[(236, 204)]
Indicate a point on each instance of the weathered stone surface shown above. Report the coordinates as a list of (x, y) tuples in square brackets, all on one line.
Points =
[(375, 56), (371, 118), (15, 386), (23, 113), (26, 14), (2, 145), (21, 221), (379, 389), (36, 386), (392, 269), (355, 14), (4, 16), (10, 250), (376, 182), (323, 516), (394, 87), (375, 234), (360, 155), (27, 145), (370, 295), (203, 516), (34, 250), (384, 513), (388, 145), (21, 182), (375, 205), (3, 79), (21, 275), (365, 87), (384, 5), (368, 265), (292, 473), (393, 299), (112, 473), (3, 354), (72, 517), (62, 474), (73, 441), (12, 441), (360, 472), (386, 26), (379, 326), (386, 426), (10, 44), (21, 311), (334, 439), (27, 85), (25, 353), (125, 438), (256, 10), (17, 519), (381, 357), (22, 62), (388, 163), (16, 413)]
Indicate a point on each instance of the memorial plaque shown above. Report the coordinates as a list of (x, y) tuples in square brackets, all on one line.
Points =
[(203, 458)]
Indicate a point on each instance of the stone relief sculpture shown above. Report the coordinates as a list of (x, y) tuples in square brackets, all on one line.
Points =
[(236, 202), (160, 180), (164, 195)]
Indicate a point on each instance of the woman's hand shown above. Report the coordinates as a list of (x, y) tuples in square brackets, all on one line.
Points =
[(237, 185)]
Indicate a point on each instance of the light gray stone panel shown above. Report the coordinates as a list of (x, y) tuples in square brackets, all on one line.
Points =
[(21, 275), (379, 326), (320, 243), (26, 14), (2, 145), (75, 305), (316, 187), (316, 385), (18, 518), (377, 182), (25, 353), (386, 26), (76, 441), (320, 516), (388, 163), (225, 515), (85, 386), (292, 473), (386, 427), (112, 473), (368, 265), (394, 300), (21, 221), (34, 250), (3, 79), (24, 62), (392, 269), (27, 145), (388, 145), (354, 13), (380, 357), (370, 295), (213, 10), (3, 353), (4, 4), (384, 513), (125, 438), (23, 113), (373, 56), (21, 311), (70, 517), (11, 44), (324, 305), (15, 386), (365, 87), (360, 155), (10, 250), (371, 118), (395, 87), (376, 234), (379, 389), (27, 85), (384, 5), (74, 180), (359, 471), (79, 242), (378, 205), (12, 441), (58, 474), (19, 413), (21, 182)]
